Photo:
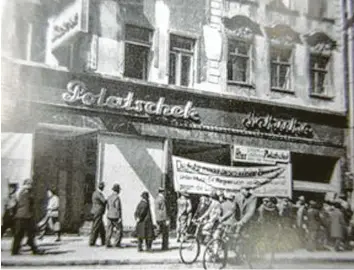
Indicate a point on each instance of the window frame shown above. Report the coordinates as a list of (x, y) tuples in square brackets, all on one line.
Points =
[(326, 93), (179, 53), (279, 64), (234, 54), (146, 45)]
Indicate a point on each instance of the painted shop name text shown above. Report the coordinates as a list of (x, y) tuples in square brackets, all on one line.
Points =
[(77, 92)]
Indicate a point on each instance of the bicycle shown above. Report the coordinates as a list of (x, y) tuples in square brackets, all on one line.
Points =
[(254, 252), (189, 248)]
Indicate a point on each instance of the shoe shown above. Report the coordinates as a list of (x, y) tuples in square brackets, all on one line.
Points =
[(140, 250), (37, 252), (108, 246), (57, 240), (15, 253)]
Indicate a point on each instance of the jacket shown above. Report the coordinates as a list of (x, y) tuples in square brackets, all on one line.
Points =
[(53, 206), (337, 223), (114, 207), (98, 203), (247, 207), (25, 204), (160, 208)]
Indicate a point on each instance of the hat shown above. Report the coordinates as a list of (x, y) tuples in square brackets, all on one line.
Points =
[(161, 189), (302, 198), (101, 185), (116, 187), (312, 203), (145, 195), (185, 194)]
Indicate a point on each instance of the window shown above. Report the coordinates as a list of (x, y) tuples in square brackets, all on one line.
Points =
[(238, 64), (137, 52), (317, 8), (319, 74), (281, 68), (181, 61)]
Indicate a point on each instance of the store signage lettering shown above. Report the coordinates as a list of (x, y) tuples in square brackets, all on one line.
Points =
[(271, 124), (259, 155), (77, 92)]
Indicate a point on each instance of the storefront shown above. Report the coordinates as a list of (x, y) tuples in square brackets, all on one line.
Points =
[(81, 129)]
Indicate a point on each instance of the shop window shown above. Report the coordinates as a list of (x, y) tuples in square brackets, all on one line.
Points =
[(137, 52), (319, 74), (239, 61), (181, 61), (281, 68), (317, 8)]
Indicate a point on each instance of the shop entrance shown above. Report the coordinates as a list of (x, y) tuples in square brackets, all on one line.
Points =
[(64, 158)]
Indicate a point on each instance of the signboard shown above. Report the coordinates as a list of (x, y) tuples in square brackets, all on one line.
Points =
[(201, 178), (259, 155), (69, 24)]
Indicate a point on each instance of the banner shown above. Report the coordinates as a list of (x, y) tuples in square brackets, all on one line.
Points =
[(258, 155), (201, 178)]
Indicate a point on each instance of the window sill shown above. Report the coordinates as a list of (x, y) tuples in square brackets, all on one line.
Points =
[(244, 84), (283, 11), (282, 90), (250, 2), (321, 19), (321, 96)]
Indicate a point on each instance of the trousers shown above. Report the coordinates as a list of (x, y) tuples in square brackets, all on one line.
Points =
[(97, 229)]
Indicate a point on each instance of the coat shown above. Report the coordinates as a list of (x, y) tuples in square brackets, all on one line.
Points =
[(98, 203), (144, 226), (25, 204), (247, 207), (114, 207), (53, 206), (314, 219), (160, 208), (337, 223)]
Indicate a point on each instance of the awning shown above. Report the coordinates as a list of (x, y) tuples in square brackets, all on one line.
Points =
[(313, 186)]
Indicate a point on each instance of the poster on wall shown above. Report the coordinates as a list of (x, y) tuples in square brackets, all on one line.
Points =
[(201, 178), (258, 155)]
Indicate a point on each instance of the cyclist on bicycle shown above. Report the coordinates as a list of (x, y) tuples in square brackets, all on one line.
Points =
[(211, 216)]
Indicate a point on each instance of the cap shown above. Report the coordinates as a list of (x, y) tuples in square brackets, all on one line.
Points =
[(116, 187), (101, 185), (145, 195)]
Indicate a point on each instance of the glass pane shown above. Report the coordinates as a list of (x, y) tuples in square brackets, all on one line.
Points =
[(241, 67), (133, 33), (274, 78), (185, 70), (239, 47), (322, 62), (284, 77), (313, 81), (172, 72), (321, 77), (229, 69), (285, 55), (182, 43), (136, 61)]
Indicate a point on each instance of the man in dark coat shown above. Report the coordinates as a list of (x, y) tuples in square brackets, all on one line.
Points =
[(144, 225), (24, 219), (8, 221), (98, 209), (337, 225), (114, 217), (313, 225), (161, 217)]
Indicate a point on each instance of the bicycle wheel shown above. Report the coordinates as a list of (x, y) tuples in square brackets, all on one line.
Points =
[(215, 255), (189, 250), (259, 254)]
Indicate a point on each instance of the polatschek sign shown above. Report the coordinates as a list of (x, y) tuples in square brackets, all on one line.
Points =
[(78, 94)]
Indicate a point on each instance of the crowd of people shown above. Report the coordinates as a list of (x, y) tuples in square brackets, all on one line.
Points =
[(311, 224)]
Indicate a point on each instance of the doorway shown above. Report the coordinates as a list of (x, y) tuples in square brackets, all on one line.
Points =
[(64, 158)]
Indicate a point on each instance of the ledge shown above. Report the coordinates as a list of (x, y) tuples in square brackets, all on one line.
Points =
[(249, 2), (321, 19), (321, 96), (281, 90), (243, 84)]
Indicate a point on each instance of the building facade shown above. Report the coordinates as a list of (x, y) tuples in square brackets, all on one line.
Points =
[(110, 90)]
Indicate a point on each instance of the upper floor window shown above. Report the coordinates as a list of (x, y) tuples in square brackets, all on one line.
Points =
[(137, 52), (239, 61), (181, 60), (319, 74), (281, 68), (317, 8)]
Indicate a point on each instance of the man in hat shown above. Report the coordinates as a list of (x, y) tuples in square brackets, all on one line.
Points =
[(184, 212), (8, 221), (161, 217), (24, 219), (98, 209), (114, 217)]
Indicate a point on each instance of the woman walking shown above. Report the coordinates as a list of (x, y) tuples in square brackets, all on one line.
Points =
[(144, 225)]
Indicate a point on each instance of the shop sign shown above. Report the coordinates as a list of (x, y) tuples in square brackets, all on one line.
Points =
[(69, 24), (270, 124), (201, 178), (78, 93), (259, 155)]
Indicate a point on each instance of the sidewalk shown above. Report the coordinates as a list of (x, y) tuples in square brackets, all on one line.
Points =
[(74, 250)]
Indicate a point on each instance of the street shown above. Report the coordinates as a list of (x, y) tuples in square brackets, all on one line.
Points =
[(198, 266)]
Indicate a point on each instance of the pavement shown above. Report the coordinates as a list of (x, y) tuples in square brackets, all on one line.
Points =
[(74, 251)]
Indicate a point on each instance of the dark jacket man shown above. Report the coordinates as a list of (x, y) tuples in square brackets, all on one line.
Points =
[(337, 225), (98, 209), (161, 217), (8, 220), (313, 224), (114, 217), (24, 219)]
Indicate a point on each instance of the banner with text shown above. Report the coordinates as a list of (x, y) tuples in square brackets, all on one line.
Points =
[(201, 178)]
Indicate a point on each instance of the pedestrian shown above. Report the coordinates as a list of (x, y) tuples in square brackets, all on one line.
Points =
[(202, 207), (24, 219), (144, 225), (184, 215), (114, 217), (300, 218), (268, 217), (98, 209), (337, 225), (227, 217), (8, 220), (162, 217), (285, 213), (313, 225), (51, 219)]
